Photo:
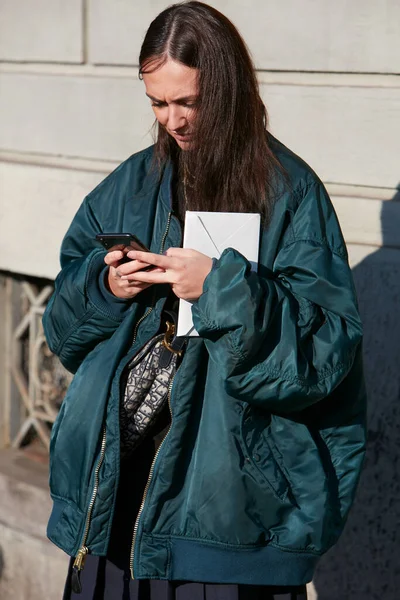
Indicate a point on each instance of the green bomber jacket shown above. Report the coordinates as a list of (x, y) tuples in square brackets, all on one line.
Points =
[(256, 476)]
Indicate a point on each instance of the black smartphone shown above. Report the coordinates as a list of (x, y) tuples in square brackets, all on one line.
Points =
[(125, 242)]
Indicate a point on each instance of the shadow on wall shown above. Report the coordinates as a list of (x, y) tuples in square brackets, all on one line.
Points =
[(365, 563)]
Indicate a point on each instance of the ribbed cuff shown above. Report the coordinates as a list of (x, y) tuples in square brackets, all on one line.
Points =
[(100, 296)]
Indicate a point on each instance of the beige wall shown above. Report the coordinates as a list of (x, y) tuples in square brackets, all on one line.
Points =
[(71, 106)]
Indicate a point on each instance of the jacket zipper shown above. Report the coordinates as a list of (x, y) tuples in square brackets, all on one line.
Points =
[(136, 526), (166, 232), (150, 477), (83, 551), (80, 558)]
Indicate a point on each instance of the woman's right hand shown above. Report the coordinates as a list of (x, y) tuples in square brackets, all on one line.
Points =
[(121, 288)]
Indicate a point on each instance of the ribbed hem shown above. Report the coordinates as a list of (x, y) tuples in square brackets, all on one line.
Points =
[(266, 565), (191, 560), (180, 559)]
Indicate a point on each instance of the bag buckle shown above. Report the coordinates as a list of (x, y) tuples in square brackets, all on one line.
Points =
[(169, 337)]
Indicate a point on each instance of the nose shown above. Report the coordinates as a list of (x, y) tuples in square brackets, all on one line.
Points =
[(176, 118)]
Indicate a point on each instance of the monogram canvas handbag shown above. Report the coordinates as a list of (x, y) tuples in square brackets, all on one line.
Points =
[(147, 384)]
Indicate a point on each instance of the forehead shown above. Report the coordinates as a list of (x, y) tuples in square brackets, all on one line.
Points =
[(172, 80)]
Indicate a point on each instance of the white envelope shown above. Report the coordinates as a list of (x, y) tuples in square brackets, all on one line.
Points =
[(211, 233)]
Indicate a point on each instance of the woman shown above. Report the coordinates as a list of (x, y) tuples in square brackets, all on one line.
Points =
[(255, 477)]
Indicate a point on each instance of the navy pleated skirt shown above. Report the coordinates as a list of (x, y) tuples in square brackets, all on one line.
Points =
[(108, 578)]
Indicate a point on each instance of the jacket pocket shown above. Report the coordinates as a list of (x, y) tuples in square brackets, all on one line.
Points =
[(262, 457)]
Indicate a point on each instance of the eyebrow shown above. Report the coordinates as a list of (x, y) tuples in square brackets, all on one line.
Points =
[(182, 100)]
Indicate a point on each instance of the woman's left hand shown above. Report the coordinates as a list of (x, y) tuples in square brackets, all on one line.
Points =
[(183, 268)]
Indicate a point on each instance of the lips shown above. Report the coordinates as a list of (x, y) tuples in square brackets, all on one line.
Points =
[(182, 137)]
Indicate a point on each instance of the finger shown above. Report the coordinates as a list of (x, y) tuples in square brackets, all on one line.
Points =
[(153, 276), (131, 267), (158, 260), (131, 277), (113, 257), (114, 272), (138, 285), (179, 252)]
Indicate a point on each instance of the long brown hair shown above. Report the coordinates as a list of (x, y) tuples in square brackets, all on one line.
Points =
[(230, 165)]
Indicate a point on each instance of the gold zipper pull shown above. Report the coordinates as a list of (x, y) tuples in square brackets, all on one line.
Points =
[(78, 566), (80, 558)]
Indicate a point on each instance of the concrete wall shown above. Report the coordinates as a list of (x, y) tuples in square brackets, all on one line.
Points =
[(71, 108)]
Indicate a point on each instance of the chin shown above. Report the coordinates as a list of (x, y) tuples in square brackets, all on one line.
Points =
[(183, 145)]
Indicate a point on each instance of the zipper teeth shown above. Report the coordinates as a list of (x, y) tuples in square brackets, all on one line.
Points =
[(136, 526), (102, 452), (146, 489), (95, 489), (166, 232), (146, 314)]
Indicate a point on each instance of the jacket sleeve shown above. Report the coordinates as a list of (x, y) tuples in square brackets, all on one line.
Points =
[(81, 312), (284, 338)]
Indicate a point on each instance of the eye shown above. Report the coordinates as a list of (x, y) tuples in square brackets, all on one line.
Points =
[(158, 104), (191, 104)]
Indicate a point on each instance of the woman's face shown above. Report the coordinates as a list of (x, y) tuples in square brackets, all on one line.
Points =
[(172, 90)]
